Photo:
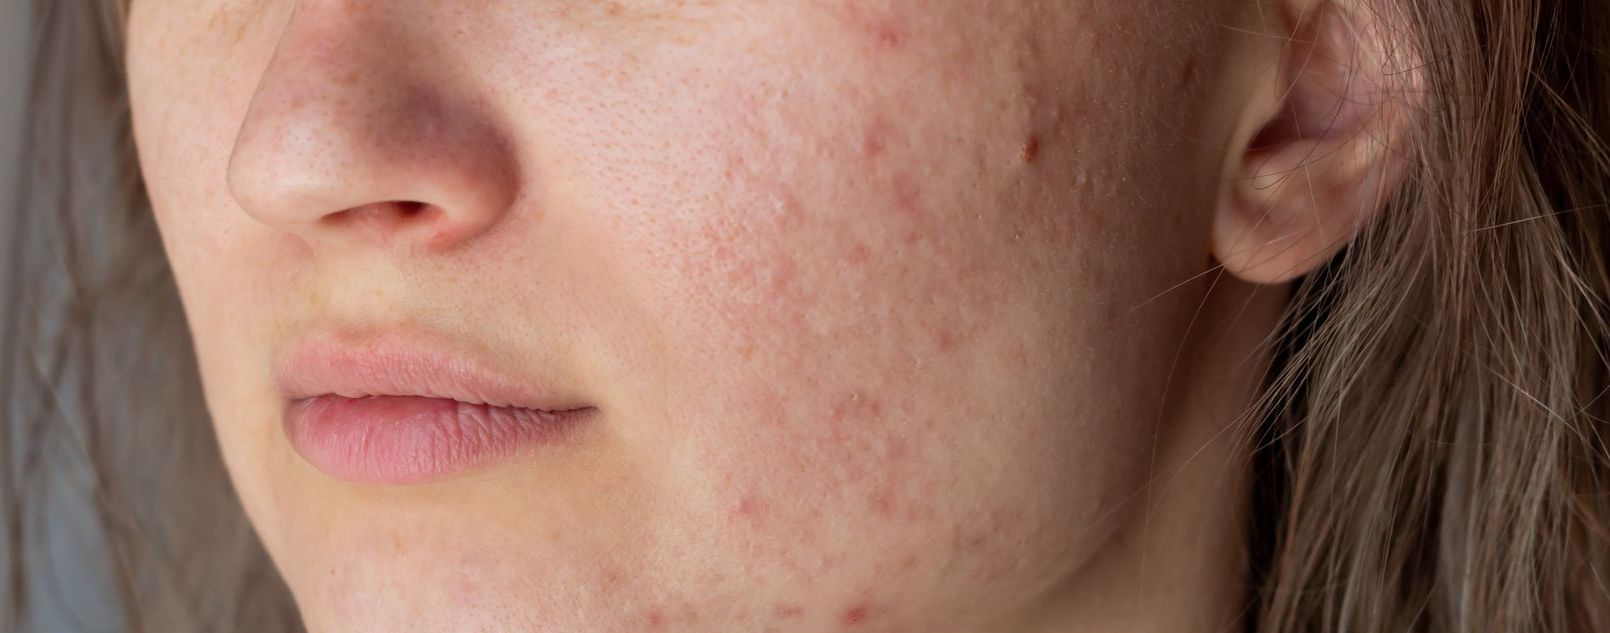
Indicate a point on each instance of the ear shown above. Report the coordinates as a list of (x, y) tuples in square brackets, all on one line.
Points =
[(1318, 147)]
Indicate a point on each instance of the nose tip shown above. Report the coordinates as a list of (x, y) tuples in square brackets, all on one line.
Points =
[(341, 145)]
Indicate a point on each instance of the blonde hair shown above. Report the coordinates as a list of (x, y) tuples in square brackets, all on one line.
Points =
[(1430, 453)]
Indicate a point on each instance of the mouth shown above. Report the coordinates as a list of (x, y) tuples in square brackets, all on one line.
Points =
[(400, 408)]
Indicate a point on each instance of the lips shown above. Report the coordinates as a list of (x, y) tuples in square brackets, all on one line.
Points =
[(398, 409)]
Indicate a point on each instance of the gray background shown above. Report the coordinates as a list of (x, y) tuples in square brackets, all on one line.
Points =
[(73, 598), (13, 42)]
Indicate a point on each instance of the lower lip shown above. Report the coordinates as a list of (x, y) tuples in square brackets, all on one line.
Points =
[(399, 440)]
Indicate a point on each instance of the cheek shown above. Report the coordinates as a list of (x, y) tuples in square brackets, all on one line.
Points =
[(187, 101), (849, 300)]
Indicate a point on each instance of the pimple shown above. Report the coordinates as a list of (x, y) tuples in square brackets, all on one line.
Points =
[(856, 615), (747, 508), (882, 502), (1188, 71), (875, 139), (857, 405), (882, 29), (1030, 150), (613, 579), (907, 196), (887, 32)]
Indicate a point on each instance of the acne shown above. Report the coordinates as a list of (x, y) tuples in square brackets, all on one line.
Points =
[(856, 615), (1030, 150), (875, 140), (880, 28)]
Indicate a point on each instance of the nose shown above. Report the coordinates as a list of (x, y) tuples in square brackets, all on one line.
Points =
[(354, 137)]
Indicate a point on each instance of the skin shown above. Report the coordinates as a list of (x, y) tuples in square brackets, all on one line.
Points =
[(894, 312)]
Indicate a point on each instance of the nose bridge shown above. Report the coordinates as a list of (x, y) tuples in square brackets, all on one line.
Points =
[(353, 136)]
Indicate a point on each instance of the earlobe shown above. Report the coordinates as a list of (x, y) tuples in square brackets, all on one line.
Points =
[(1321, 150)]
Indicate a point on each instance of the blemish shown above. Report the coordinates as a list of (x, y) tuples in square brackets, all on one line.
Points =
[(789, 612), (1188, 71), (747, 508), (859, 254), (882, 502), (876, 139), (883, 29), (656, 619), (907, 196), (856, 615), (1030, 150), (887, 32), (613, 578)]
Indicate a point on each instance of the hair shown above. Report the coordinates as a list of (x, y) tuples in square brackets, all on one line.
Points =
[(1429, 453)]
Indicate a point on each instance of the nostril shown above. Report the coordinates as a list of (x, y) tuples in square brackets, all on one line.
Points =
[(411, 208), (382, 219)]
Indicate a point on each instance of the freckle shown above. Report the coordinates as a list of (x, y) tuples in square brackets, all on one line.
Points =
[(856, 615), (1030, 151)]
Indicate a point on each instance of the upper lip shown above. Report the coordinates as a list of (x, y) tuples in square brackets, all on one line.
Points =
[(406, 363)]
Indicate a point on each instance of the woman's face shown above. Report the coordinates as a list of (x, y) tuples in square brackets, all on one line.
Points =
[(865, 299)]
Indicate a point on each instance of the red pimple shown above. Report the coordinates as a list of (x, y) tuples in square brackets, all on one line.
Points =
[(876, 138), (882, 502), (884, 29), (907, 195), (1188, 71), (1030, 151), (887, 32), (747, 509), (856, 615)]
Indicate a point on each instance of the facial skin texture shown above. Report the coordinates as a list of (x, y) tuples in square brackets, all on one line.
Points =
[(879, 302)]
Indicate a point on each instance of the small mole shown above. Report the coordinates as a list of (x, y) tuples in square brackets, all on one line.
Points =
[(1030, 151)]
